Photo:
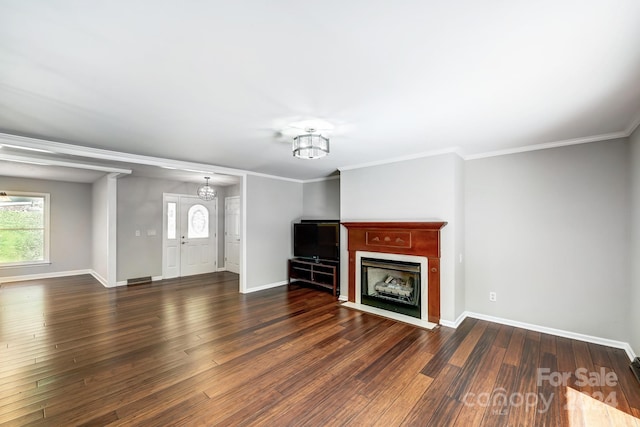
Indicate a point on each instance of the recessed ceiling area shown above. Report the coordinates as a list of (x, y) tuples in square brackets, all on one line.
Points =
[(217, 82)]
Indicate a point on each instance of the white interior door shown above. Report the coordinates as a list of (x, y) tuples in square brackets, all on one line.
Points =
[(190, 238), (232, 234)]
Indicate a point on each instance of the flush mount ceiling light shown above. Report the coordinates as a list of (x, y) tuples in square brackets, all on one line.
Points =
[(206, 192), (310, 145), (4, 197)]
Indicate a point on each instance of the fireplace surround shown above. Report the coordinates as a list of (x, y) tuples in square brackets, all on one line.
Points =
[(405, 242)]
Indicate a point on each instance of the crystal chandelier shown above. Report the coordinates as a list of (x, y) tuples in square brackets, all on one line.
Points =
[(205, 191), (310, 145)]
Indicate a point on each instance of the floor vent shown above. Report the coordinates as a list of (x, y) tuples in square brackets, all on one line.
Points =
[(138, 281), (635, 367)]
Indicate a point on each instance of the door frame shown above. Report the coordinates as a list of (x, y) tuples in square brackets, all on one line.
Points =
[(169, 197), (239, 231)]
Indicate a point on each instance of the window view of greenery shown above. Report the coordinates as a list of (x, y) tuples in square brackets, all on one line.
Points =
[(22, 230)]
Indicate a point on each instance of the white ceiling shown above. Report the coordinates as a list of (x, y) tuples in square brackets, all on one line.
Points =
[(216, 82)]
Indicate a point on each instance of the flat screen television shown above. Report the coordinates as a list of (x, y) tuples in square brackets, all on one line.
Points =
[(317, 240)]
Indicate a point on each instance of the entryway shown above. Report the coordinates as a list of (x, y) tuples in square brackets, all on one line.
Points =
[(189, 236)]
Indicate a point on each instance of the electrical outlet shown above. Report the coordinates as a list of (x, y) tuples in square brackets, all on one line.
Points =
[(492, 296)]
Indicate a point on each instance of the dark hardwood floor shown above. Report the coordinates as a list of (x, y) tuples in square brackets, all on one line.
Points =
[(194, 351)]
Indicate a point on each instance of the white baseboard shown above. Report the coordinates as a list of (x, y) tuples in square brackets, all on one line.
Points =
[(546, 330), (263, 287), (38, 276), (343, 298), (220, 269), (100, 279), (455, 323)]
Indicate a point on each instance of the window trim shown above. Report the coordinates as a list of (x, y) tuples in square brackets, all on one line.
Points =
[(47, 230)]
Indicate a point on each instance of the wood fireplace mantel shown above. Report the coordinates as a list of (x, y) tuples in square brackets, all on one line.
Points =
[(407, 238)]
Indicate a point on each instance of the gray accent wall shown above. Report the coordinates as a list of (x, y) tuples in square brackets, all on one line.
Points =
[(548, 231), (634, 294), (424, 189), (273, 205), (321, 199), (140, 208), (70, 223)]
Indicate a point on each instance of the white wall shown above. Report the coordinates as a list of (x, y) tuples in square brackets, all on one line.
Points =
[(634, 292), (273, 205), (548, 231), (70, 222), (423, 189), (321, 199), (104, 235)]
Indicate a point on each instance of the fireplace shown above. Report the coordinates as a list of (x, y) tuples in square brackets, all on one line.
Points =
[(394, 270), (391, 285)]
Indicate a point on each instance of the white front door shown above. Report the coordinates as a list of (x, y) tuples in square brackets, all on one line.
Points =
[(190, 239), (232, 234)]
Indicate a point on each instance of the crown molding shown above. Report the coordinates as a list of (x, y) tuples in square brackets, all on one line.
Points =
[(326, 178), (455, 150), (281, 178), (547, 145), (633, 126)]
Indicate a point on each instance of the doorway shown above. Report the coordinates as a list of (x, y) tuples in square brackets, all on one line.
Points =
[(232, 234), (189, 236)]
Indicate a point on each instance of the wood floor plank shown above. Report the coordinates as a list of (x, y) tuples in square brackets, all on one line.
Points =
[(448, 348), (467, 345), (194, 351), (425, 407), (474, 371), (480, 386), (397, 382), (628, 384), (523, 412), (498, 406), (514, 350), (504, 336), (549, 409)]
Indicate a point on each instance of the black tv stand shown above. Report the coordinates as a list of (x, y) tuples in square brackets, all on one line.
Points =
[(318, 272)]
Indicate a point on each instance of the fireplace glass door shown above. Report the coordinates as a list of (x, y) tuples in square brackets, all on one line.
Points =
[(391, 285)]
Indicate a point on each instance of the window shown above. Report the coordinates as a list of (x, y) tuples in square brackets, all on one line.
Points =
[(171, 220), (198, 223), (24, 229)]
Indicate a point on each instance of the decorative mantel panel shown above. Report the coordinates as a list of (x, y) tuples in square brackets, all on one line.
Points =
[(405, 238)]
